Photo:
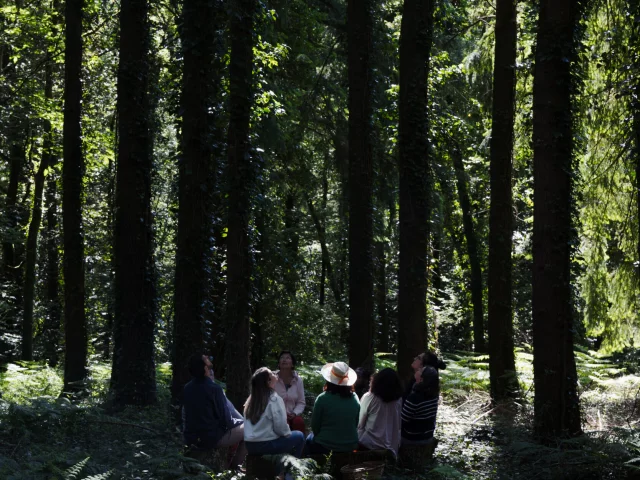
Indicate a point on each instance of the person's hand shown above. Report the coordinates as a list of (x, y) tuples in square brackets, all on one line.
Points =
[(290, 416)]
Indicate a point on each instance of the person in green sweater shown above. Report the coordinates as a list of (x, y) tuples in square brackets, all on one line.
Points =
[(334, 422)]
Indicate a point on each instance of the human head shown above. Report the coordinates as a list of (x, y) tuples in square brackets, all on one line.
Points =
[(287, 356), (386, 385), (428, 381), (262, 383), (427, 359), (197, 366)]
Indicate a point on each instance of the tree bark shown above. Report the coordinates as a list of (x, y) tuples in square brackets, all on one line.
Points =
[(196, 169), (416, 34), (472, 251), (72, 175), (333, 281), (635, 104), (32, 235), (133, 378), (360, 46), (240, 179), (502, 365), (556, 405)]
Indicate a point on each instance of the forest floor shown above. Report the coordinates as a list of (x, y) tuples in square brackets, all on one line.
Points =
[(44, 437)]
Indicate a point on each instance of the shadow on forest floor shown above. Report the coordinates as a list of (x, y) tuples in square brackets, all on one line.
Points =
[(43, 437)]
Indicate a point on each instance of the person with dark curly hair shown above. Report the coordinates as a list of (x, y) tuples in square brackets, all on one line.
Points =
[(380, 409)]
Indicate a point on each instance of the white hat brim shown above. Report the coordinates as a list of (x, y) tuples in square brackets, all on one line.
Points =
[(349, 380)]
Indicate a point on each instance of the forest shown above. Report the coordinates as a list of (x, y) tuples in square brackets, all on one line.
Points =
[(350, 180)]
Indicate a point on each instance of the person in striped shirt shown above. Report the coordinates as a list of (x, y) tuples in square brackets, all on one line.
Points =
[(420, 408)]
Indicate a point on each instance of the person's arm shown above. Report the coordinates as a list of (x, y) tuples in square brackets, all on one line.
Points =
[(279, 412), (300, 402), (364, 410), (316, 417), (221, 408)]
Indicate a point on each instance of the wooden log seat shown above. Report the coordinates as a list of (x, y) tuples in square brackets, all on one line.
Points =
[(415, 457)]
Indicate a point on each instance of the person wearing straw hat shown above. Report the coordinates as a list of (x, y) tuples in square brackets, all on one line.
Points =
[(334, 422)]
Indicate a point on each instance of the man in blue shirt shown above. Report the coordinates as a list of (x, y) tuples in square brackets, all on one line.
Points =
[(210, 421)]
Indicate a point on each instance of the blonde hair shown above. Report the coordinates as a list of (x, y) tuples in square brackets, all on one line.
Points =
[(259, 397)]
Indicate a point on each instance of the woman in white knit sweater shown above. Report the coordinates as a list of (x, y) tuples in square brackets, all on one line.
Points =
[(266, 431)]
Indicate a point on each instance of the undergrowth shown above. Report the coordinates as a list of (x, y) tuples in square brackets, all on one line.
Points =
[(43, 436)]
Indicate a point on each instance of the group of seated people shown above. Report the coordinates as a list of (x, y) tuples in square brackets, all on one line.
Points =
[(385, 417)]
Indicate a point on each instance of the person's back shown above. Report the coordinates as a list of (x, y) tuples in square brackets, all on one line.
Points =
[(421, 407), (201, 423), (335, 421), (379, 426)]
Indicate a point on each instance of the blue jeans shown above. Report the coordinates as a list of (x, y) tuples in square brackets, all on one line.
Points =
[(314, 447), (293, 444)]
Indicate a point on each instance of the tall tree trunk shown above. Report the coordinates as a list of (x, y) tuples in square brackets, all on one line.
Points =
[(240, 179), (195, 187), (52, 278), (381, 294), (635, 102), (360, 46), (292, 241), (34, 230), (325, 194), (333, 280), (502, 364), (556, 405), (472, 251), (416, 34), (72, 173), (133, 379)]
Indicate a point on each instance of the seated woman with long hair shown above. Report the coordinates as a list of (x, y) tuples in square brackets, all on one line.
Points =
[(334, 422), (265, 429), (421, 407), (380, 408)]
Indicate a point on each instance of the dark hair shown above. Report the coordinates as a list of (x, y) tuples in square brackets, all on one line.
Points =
[(293, 358), (259, 397), (196, 366), (345, 391), (386, 385), (430, 384), (430, 359)]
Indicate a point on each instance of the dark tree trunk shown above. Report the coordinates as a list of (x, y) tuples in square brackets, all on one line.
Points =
[(360, 46), (416, 33), (34, 230), (472, 251), (196, 170), (72, 173), (292, 241), (325, 194), (635, 103), (240, 178), (133, 379), (111, 200), (333, 281), (556, 405), (381, 294), (502, 363), (52, 279)]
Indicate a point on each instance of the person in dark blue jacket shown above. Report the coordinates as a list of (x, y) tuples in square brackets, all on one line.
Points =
[(209, 420)]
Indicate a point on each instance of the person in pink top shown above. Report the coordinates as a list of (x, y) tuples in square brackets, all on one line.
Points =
[(291, 389)]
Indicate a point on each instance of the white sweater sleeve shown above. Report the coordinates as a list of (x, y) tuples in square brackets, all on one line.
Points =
[(279, 415)]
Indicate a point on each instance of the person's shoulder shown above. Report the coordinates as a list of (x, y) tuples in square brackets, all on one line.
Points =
[(274, 397), (296, 377)]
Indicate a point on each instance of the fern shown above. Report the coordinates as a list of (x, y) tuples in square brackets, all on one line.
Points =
[(102, 476), (72, 472)]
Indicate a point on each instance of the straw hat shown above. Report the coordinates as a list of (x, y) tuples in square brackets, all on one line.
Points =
[(339, 373)]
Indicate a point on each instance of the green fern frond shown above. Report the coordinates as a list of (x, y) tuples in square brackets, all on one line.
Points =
[(102, 476), (72, 472)]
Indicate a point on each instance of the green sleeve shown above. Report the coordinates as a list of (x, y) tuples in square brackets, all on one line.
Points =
[(316, 417)]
